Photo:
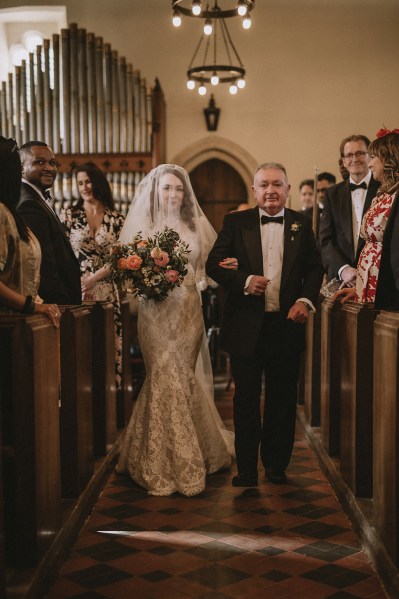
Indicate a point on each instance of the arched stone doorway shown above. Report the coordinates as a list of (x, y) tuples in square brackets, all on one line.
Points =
[(219, 188), (222, 175)]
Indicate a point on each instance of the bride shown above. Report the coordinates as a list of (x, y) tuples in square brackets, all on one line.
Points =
[(175, 436)]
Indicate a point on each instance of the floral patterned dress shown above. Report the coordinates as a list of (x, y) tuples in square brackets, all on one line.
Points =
[(91, 253), (372, 230)]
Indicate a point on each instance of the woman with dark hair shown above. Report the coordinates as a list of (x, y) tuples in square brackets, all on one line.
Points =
[(384, 165), (92, 227), (20, 254), (175, 436)]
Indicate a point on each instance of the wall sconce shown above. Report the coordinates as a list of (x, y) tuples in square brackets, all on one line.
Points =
[(211, 113)]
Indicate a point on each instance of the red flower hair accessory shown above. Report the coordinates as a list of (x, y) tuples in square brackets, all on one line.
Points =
[(384, 132)]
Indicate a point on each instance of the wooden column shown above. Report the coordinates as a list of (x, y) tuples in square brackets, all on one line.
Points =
[(76, 415), (312, 366), (356, 410), (29, 375), (386, 431), (104, 388), (330, 376), (125, 398)]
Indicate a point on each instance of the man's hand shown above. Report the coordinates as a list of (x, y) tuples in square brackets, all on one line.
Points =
[(348, 275), (298, 313), (345, 295), (257, 285)]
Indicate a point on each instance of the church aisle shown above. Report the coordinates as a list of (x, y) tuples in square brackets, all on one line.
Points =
[(265, 543)]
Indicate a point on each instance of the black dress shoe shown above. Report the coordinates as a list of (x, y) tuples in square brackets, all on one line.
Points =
[(278, 477), (241, 480)]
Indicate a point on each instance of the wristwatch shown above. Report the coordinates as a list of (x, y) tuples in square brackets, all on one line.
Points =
[(307, 306)]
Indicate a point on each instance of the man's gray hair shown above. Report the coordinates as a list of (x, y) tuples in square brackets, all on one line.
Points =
[(265, 165)]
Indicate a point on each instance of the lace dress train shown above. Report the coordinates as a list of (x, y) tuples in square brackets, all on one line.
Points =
[(174, 438)]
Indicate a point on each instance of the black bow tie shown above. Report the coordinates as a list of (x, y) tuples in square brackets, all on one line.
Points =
[(271, 219), (47, 195), (353, 186)]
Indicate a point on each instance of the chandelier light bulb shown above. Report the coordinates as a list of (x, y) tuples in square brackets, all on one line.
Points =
[(190, 84), (247, 22), (242, 8), (241, 83), (214, 79), (233, 89), (196, 7), (202, 90), (208, 27), (176, 19)]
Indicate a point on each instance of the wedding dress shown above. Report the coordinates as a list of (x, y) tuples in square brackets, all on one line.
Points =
[(175, 436)]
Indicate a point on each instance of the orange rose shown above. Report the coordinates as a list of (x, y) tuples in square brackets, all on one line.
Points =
[(122, 263), (133, 262)]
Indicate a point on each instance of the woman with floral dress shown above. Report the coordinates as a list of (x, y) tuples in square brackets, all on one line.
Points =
[(92, 226), (384, 165)]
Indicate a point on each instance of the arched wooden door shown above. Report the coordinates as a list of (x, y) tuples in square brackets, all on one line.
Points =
[(219, 188)]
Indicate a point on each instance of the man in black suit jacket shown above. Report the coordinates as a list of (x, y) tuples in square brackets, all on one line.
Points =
[(59, 272), (344, 207), (272, 273)]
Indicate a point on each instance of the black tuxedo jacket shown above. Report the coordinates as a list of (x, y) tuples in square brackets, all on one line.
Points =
[(336, 232), (59, 271), (301, 276), (387, 292)]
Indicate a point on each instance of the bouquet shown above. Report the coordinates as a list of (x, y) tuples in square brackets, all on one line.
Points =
[(153, 267)]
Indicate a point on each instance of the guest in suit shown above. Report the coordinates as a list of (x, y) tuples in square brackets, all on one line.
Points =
[(377, 278), (19, 248), (272, 273), (344, 206), (59, 273), (324, 181), (306, 196)]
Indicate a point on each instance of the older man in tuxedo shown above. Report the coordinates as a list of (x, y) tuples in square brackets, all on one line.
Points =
[(267, 260), (344, 207), (59, 272)]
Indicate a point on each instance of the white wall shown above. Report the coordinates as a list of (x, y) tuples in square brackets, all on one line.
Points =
[(317, 70)]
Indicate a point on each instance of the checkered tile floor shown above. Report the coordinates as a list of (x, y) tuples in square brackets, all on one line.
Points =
[(275, 541)]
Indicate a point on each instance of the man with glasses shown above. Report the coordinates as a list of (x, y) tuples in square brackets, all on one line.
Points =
[(344, 207)]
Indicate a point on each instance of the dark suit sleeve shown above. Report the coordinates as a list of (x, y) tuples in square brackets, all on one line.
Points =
[(312, 268), (52, 288), (224, 247), (331, 254), (394, 245)]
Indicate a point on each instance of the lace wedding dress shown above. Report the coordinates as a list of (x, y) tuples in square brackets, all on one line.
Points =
[(175, 436)]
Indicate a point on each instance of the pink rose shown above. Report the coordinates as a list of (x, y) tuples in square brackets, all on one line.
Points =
[(172, 276), (162, 259), (142, 244), (133, 262)]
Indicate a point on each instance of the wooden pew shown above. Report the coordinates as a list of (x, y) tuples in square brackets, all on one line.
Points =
[(2, 536), (29, 375), (356, 408), (76, 413), (312, 366), (103, 373), (330, 386), (386, 432)]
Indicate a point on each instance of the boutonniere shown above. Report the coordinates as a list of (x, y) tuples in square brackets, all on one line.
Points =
[(294, 229)]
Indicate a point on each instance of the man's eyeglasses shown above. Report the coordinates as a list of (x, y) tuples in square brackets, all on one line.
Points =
[(355, 155)]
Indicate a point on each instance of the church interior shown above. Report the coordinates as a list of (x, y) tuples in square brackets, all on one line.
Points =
[(109, 83)]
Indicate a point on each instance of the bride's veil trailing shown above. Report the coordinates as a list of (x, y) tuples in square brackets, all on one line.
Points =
[(149, 214)]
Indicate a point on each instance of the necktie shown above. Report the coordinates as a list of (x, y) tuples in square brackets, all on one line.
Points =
[(271, 219), (353, 186)]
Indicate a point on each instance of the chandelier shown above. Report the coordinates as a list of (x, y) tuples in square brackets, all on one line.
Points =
[(215, 58)]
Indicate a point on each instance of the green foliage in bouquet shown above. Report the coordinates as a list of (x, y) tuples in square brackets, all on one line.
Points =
[(151, 267)]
